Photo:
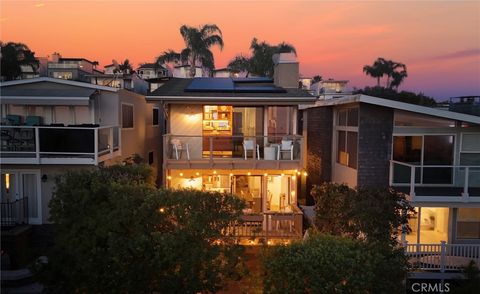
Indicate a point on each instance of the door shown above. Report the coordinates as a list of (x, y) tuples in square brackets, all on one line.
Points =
[(22, 187)]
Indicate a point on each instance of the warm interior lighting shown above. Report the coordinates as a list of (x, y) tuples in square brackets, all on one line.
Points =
[(265, 174), (299, 173), (294, 178), (192, 179), (231, 174), (269, 242), (181, 174), (197, 173), (249, 173), (214, 172), (7, 183), (169, 177), (282, 175), (296, 171), (305, 174)]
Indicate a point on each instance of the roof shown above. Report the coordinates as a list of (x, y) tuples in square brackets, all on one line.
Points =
[(58, 81), (185, 65), (151, 65), (76, 96), (75, 59), (401, 106), (177, 90)]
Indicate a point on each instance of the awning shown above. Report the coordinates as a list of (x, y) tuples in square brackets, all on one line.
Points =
[(80, 96)]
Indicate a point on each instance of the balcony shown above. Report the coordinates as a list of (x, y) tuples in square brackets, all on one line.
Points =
[(233, 152), (58, 145), (436, 183), (63, 65)]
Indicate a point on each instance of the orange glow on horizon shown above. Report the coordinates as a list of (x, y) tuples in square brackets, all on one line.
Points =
[(332, 39)]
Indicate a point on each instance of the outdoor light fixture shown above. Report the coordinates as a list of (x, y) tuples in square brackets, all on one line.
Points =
[(282, 175), (181, 174), (305, 174), (214, 172), (294, 178), (162, 210), (169, 177), (231, 174), (265, 174), (299, 173), (249, 173), (197, 173), (7, 183), (44, 178)]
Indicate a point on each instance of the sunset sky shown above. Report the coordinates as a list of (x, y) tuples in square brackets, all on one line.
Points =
[(438, 41)]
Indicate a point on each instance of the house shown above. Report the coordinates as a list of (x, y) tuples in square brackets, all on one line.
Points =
[(148, 71), (330, 88), (183, 71), (431, 155), (112, 77), (76, 69), (239, 135), (51, 125)]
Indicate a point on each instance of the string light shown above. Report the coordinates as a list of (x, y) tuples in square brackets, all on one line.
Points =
[(249, 173), (265, 174), (214, 172), (305, 174), (197, 173), (181, 174)]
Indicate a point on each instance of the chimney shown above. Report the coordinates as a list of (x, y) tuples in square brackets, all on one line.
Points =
[(56, 57), (285, 70)]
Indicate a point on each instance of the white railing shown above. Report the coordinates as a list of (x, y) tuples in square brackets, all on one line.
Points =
[(442, 257), (185, 147), (436, 182), (57, 145), (63, 65)]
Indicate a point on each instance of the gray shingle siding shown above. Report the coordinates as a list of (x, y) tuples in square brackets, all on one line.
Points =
[(374, 145), (319, 146)]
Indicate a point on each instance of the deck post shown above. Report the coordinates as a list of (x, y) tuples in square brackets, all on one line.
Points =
[(210, 148), (95, 146), (465, 185), (443, 254), (37, 145)]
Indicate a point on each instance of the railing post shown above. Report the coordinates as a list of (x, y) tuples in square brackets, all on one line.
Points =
[(95, 146), (110, 141), (412, 182), (443, 254), (390, 174), (210, 142), (254, 152), (465, 185), (37, 145)]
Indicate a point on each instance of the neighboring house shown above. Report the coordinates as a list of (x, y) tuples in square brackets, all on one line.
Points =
[(183, 71), (329, 89), (152, 71), (122, 80), (431, 155), (77, 69), (51, 125), (239, 135), (226, 73), (28, 72)]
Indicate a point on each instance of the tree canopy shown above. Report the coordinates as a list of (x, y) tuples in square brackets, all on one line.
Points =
[(198, 41), (395, 72), (403, 96), (13, 57), (116, 233), (333, 264), (260, 62)]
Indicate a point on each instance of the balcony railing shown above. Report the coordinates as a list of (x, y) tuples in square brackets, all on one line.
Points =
[(63, 65), (259, 151), (268, 225), (442, 257), (14, 212), (444, 183), (58, 145)]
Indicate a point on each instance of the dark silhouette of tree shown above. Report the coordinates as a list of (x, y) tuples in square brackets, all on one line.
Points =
[(198, 42), (260, 62), (13, 57), (395, 72)]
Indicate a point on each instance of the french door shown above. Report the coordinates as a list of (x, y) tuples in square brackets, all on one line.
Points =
[(23, 184)]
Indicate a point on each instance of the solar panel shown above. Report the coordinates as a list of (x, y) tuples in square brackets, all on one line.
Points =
[(253, 80), (210, 84), (228, 85), (260, 89)]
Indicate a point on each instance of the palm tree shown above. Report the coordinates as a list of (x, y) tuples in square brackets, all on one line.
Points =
[(13, 56), (396, 72), (398, 77), (376, 70), (260, 63), (198, 42), (125, 67)]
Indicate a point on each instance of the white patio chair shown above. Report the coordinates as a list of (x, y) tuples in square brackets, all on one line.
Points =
[(179, 147), (248, 145), (285, 147)]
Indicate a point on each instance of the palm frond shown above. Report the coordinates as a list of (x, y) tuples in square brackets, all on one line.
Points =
[(168, 56), (209, 29), (213, 40)]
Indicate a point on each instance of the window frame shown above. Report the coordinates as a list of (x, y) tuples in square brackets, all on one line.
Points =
[(346, 129), (158, 116), (133, 116)]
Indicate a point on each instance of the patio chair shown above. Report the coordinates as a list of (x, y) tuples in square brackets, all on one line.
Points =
[(179, 147), (33, 120), (13, 120), (285, 147), (249, 145)]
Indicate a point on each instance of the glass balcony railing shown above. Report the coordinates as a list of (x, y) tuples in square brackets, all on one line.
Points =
[(71, 144)]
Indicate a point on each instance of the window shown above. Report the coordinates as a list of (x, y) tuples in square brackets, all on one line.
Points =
[(62, 75), (127, 116), (155, 116), (280, 121), (468, 223), (470, 151), (347, 137), (150, 157)]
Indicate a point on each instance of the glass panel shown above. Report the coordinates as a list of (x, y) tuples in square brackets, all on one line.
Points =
[(280, 121), (342, 117), (433, 225), (438, 150), (352, 149), (249, 188), (352, 117), (407, 149), (217, 183), (217, 126), (404, 119), (30, 191), (342, 156), (471, 142), (8, 188), (468, 223), (278, 193), (247, 122)]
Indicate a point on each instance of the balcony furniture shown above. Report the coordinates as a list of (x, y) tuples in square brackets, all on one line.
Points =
[(270, 153), (179, 147), (13, 120), (33, 120), (249, 145), (285, 147)]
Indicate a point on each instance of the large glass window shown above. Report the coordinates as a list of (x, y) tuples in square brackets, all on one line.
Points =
[(280, 122), (279, 195), (347, 148), (249, 188), (468, 223)]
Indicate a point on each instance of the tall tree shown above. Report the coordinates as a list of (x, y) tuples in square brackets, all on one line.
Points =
[(260, 62), (376, 70), (395, 72), (13, 57), (125, 67), (198, 41)]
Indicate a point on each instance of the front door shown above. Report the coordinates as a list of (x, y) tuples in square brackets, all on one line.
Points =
[(22, 187)]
